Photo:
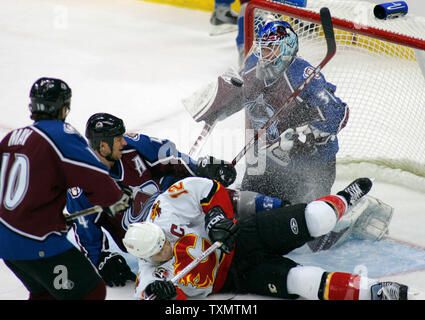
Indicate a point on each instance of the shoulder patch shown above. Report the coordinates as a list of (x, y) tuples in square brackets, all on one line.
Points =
[(67, 128), (308, 71), (133, 136), (161, 273), (75, 192)]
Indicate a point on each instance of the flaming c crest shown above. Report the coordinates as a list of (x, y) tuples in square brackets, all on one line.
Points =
[(202, 276)]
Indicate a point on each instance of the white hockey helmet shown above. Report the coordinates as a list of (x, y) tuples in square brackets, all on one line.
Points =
[(144, 239)]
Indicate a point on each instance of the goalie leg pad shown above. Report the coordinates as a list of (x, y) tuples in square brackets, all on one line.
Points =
[(374, 221), (369, 219)]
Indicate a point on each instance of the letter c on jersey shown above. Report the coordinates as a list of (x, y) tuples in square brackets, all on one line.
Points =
[(202, 276)]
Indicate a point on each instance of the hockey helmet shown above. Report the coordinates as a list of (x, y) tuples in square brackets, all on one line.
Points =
[(103, 127), (49, 96), (144, 239), (277, 44)]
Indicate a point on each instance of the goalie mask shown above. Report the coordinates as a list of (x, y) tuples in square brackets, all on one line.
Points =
[(276, 46)]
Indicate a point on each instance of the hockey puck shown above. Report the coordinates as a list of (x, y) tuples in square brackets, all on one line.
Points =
[(236, 82)]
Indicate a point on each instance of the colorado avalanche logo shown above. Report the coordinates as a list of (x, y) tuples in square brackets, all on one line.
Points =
[(142, 204), (132, 136), (308, 71), (69, 129), (75, 192)]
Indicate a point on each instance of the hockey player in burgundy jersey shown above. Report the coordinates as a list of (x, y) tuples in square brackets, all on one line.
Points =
[(196, 212), (145, 165), (39, 163)]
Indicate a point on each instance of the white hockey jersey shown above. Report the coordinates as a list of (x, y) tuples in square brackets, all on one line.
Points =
[(180, 212)]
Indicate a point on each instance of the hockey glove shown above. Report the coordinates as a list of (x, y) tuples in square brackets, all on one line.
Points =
[(220, 170), (122, 204), (220, 228), (114, 269), (162, 289)]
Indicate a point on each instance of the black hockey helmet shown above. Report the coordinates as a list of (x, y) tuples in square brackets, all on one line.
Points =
[(49, 96), (103, 127)]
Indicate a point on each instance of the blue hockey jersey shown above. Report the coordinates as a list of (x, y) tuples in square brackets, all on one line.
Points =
[(263, 97)]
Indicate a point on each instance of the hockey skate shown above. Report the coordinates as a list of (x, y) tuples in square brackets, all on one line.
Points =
[(356, 190), (389, 291), (223, 20)]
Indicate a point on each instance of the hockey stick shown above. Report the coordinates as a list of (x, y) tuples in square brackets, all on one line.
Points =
[(200, 141), (191, 265), (82, 213), (326, 20)]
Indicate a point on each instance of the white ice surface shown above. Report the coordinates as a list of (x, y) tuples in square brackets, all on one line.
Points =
[(138, 60)]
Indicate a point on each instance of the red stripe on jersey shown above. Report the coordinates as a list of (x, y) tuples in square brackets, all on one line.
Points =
[(222, 271), (180, 294), (218, 197)]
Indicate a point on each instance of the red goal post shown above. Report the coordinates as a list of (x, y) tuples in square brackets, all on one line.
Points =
[(379, 71)]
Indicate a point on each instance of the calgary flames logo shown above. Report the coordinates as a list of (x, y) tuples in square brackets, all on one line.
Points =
[(202, 276)]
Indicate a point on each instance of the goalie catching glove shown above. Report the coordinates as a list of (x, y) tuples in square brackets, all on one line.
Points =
[(220, 228), (122, 204), (114, 269), (220, 170)]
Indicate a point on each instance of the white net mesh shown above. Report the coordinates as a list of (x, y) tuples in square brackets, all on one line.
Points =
[(381, 82)]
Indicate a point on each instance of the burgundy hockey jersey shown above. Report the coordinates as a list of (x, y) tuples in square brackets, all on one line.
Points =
[(38, 164)]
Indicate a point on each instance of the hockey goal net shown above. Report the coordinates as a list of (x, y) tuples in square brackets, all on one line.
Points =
[(379, 72)]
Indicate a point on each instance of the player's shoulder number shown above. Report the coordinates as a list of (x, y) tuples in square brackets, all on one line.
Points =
[(176, 190)]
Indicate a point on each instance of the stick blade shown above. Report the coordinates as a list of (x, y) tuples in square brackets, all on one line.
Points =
[(326, 19)]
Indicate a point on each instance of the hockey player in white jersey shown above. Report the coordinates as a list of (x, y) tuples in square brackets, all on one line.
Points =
[(195, 212)]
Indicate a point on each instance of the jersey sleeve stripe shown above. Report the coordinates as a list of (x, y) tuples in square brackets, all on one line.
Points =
[(214, 189)]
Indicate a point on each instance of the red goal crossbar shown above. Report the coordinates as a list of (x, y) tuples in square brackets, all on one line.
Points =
[(314, 17)]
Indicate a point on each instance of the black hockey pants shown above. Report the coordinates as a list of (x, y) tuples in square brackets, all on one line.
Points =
[(258, 265)]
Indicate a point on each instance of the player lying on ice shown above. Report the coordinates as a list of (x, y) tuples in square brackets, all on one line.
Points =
[(195, 212)]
